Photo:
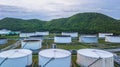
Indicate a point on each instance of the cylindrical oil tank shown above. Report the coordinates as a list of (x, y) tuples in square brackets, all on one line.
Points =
[(16, 58), (72, 34), (23, 35), (88, 39), (62, 39), (30, 34), (54, 58), (44, 33), (112, 39), (102, 35), (31, 44), (94, 58), (26, 34), (3, 41), (39, 37)]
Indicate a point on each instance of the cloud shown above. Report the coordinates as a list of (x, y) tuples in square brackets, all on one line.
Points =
[(18, 12), (50, 9)]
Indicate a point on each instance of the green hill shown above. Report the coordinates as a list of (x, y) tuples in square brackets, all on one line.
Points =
[(22, 25), (82, 22)]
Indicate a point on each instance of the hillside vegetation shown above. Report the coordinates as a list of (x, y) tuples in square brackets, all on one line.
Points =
[(82, 23)]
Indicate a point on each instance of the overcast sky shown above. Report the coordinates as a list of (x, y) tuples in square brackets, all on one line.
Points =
[(52, 9)]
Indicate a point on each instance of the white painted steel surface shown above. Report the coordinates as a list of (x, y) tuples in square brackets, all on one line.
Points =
[(88, 39), (112, 39), (26, 34), (45, 33), (99, 58), (31, 44), (16, 58), (102, 35), (61, 58), (72, 34), (4, 31), (62, 39)]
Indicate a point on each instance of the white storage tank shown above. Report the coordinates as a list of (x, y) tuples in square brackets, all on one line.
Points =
[(3, 41), (26, 34), (72, 34), (102, 35), (54, 58), (94, 58), (112, 39), (62, 39), (88, 39), (30, 34), (31, 44), (39, 37), (4, 32), (16, 58), (23, 35), (44, 33)]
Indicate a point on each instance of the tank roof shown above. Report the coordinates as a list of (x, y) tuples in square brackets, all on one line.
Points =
[(69, 32), (112, 35), (88, 36), (37, 36), (95, 53), (15, 53), (63, 36), (30, 40), (54, 53)]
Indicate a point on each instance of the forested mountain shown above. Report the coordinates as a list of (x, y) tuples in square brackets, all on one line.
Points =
[(22, 25), (82, 23)]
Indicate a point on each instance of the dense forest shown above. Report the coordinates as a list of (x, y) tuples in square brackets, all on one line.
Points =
[(82, 23)]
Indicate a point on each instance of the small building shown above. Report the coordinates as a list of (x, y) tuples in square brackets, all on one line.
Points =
[(14, 33), (72, 34), (112, 39), (44, 33), (16, 58), (54, 58), (32, 44), (4, 32), (62, 39), (3, 41), (94, 58), (102, 35), (88, 39)]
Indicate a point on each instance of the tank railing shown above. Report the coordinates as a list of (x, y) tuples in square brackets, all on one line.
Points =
[(3, 61), (48, 62), (24, 44), (94, 62)]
